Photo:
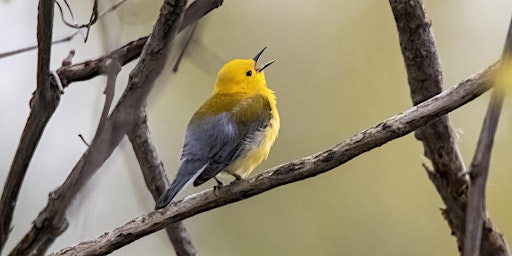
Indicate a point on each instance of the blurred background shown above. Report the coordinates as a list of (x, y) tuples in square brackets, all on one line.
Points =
[(339, 70)]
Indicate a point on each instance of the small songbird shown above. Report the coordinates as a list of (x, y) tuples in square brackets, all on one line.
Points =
[(232, 131)]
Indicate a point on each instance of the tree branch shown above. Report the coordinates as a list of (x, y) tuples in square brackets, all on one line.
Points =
[(157, 182), (438, 137), (51, 222), (66, 38), (132, 50), (297, 170), (113, 69), (44, 102), (476, 210)]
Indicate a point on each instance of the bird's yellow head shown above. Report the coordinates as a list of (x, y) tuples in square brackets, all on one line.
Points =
[(242, 76)]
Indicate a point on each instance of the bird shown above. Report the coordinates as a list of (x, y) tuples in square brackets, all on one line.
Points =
[(232, 132)]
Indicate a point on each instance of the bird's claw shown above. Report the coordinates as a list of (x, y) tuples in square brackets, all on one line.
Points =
[(238, 178), (218, 186)]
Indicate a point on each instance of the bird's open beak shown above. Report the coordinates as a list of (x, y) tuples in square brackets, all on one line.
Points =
[(262, 67)]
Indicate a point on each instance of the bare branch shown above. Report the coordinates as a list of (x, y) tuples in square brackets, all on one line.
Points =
[(188, 38), (476, 213), (297, 170), (69, 59), (113, 69), (43, 103), (51, 222), (92, 68), (65, 38), (438, 137), (92, 20), (157, 182), (33, 47)]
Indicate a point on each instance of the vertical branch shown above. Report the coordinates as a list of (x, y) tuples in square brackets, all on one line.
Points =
[(439, 140), (51, 221), (481, 160), (157, 182), (44, 102)]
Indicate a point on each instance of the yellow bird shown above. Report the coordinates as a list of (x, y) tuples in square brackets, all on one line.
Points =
[(232, 132)]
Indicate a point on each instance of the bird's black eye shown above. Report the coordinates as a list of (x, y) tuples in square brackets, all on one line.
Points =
[(249, 73)]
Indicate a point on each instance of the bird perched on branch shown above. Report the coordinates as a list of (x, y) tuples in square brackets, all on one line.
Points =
[(232, 132)]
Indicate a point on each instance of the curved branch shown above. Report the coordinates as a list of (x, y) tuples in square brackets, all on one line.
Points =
[(43, 105), (89, 69), (45, 102), (297, 170), (51, 221)]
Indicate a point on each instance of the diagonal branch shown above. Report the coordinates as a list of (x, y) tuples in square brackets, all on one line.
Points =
[(45, 101), (65, 38), (481, 160), (438, 137), (43, 104), (132, 50), (51, 222), (113, 69), (294, 171), (157, 182)]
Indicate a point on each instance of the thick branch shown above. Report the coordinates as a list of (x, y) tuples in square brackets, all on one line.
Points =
[(46, 100), (438, 137), (43, 103), (157, 182), (311, 166), (51, 222)]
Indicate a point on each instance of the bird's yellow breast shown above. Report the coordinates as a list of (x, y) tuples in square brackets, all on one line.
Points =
[(258, 149)]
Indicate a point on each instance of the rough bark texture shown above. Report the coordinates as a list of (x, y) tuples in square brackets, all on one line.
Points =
[(438, 137), (51, 222), (43, 104), (157, 182), (297, 170)]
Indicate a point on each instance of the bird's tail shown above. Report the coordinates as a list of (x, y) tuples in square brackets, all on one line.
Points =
[(185, 173)]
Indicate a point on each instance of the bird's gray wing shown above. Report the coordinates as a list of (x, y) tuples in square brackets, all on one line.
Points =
[(222, 138)]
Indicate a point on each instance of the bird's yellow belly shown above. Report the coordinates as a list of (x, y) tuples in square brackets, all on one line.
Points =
[(257, 151)]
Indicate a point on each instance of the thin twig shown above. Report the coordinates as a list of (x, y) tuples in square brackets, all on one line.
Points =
[(69, 59), (126, 53), (294, 171), (92, 20), (157, 182), (188, 38), (132, 50), (63, 39), (33, 47), (44, 103), (51, 221), (83, 140), (113, 69), (476, 210)]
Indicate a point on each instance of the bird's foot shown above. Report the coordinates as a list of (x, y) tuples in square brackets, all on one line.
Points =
[(238, 178), (218, 186)]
